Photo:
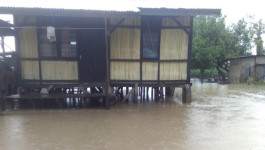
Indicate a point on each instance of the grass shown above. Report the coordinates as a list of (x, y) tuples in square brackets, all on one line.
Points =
[(254, 83)]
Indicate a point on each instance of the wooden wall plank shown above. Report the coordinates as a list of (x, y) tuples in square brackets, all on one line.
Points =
[(135, 21), (30, 70), (59, 70), (174, 44), (124, 70), (168, 22), (173, 71), (150, 71), (125, 44), (28, 43)]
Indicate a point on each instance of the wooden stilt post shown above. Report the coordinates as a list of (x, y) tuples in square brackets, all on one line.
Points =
[(2, 104), (3, 46), (143, 93), (122, 93), (168, 91), (186, 94), (127, 90), (140, 93), (172, 91), (161, 92), (147, 93), (156, 93), (74, 100), (107, 36), (136, 93), (125, 99), (152, 93)]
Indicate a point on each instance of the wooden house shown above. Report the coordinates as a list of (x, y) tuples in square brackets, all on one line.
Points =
[(146, 47)]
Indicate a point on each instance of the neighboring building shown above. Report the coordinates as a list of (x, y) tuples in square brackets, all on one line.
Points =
[(241, 68), (101, 48)]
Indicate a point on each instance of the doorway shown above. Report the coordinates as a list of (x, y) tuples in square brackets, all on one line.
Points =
[(92, 48)]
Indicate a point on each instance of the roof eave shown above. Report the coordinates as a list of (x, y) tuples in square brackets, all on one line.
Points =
[(66, 12), (108, 13), (178, 11)]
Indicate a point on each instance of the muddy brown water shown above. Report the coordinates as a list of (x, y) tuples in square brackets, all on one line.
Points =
[(221, 117)]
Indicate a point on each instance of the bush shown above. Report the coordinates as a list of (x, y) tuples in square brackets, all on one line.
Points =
[(195, 73), (208, 73)]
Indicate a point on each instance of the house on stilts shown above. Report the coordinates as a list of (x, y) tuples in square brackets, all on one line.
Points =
[(65, 48)]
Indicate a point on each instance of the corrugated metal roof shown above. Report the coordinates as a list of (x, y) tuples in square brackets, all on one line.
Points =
[(244, 57), (179, 11), (96, 8), (64, 12), (99, 5)]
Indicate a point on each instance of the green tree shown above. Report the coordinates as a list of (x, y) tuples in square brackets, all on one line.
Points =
[(213, 43), (203, 56), (243, 38), (258, 28)]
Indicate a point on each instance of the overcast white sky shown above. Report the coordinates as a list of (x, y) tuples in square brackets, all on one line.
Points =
[(234, 10)]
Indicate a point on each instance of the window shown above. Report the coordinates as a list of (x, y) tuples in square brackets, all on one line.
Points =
[(150, 45), (68, 44), (47, 48), (64, 46), (150, 37)]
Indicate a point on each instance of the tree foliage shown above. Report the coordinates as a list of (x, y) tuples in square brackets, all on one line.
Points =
[(258, 28), (213, 43)]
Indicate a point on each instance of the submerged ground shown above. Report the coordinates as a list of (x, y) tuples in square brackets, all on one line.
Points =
[(220, 117)]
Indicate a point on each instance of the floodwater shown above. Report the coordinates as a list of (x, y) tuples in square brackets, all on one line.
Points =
[(221, 117)]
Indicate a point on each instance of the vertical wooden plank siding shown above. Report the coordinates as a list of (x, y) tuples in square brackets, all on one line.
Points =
[(150, 71), (29, 49), (26, 20), (28, 43), (125, 70), (135, 21), (173, 71), (168, 22), (30, 70), (59, 70), (174, 44), (125, 44)]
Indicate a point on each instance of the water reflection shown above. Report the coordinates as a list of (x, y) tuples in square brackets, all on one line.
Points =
[(220, 117)]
